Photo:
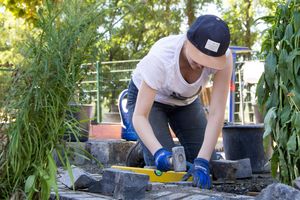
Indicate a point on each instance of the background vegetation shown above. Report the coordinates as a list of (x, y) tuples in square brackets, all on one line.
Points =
[(278, 90), (123, 29), (38, 99)]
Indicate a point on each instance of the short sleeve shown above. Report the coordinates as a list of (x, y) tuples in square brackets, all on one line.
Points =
[(152, 71)]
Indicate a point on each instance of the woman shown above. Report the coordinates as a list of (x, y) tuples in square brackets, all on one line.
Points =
[(164, 92)]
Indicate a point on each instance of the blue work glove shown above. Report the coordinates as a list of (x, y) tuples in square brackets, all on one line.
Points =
[(200, 173), (162, 157)]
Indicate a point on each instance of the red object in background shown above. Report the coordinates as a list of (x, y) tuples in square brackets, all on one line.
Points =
[(232, 86)]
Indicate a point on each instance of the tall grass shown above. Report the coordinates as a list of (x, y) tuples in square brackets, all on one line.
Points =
[(43, 86)]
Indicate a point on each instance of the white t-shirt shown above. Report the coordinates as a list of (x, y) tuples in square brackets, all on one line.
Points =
[(160, 70)]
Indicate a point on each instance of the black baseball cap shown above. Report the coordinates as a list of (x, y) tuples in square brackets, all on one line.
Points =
[(208, 40)]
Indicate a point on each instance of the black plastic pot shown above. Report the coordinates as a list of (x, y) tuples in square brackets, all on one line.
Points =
[(246, 141), (83, 114)]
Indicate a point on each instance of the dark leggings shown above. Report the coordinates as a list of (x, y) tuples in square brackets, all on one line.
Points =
[(187, 122)]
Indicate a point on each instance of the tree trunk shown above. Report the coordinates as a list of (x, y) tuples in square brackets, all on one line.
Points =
[(248, 41), (190, 11)]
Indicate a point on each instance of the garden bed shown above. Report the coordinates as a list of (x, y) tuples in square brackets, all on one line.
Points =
[(249, 186)]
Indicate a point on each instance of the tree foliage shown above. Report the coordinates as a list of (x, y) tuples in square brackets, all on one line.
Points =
[(132, 27), (241, 16), (240, 19), (13, 31), (26, 9), (193, 7)]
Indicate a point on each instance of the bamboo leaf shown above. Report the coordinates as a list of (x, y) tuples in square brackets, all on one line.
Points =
[(296, 20), (261, 92), (270, 69), (285, 115), (274, 162), (292, 55), (272, 100), (283, 164), (29, 184), (296, 71), (52, 169), (283, 66), (269, 121), (292, 143), (295, 96), (288, 33), (296, 121)]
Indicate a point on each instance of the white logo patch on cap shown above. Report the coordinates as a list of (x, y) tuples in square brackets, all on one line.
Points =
[(211, 45)]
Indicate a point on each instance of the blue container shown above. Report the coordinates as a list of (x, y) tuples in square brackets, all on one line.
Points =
[(127, 132)]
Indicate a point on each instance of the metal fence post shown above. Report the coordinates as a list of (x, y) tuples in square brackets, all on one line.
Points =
[(98, 74)]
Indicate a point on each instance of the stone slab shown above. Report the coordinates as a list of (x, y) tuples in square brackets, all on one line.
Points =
[(109, 151), (231, 169), (82, 179), (279, 191), (130, 185)]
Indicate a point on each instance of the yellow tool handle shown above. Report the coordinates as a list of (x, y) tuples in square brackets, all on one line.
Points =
[(155, 175)]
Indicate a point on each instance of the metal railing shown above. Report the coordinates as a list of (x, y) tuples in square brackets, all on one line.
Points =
[(104, 82)]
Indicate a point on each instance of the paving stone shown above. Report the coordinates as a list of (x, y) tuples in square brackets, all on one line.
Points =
[(196, 197), (130, 185), (244, 169), (171, 186), (231, 169), (220, 195), (174, 196), (82, 179), (161, 194), (155, 186), (183, 183), (109, 151), (107, 184), (278, 191)]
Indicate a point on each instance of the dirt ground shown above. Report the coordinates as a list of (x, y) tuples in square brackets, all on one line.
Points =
[(249, 186)]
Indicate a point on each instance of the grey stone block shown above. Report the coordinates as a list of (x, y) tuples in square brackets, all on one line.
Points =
[(107, 184), (155, 186), (130, 185), (82, 179), (297, 183), (75, 158), (231, 169), (177, 195), (109, 151), (278, 191), (76, 155), (121, 184), (183, 183), (244, 169)]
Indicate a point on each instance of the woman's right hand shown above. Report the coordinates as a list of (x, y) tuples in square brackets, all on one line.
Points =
[(162, 159)]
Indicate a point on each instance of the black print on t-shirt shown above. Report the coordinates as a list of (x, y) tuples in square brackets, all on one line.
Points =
[(178, 96)]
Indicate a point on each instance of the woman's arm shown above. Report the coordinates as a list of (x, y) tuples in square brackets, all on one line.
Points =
[(140, 120), (217, 108)]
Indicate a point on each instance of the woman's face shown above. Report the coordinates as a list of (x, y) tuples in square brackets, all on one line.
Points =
[(194, 65)]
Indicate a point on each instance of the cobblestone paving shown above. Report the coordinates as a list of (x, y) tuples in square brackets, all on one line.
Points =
[(168, 192)]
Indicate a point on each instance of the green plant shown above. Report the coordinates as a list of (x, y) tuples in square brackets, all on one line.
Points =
[(43, 86), (278, 90)]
